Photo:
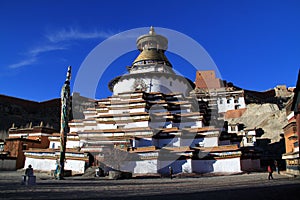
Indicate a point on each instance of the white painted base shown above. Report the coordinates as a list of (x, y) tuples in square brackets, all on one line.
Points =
[(165, 84), (230, 165), (77, 166), (140, 167)]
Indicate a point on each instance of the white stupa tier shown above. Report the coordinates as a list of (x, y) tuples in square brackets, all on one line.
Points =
[(151, 71)]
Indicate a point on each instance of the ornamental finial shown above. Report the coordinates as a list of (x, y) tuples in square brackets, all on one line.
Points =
[(151, 32)]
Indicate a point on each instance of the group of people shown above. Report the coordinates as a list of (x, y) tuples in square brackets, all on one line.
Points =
[(29, 171)]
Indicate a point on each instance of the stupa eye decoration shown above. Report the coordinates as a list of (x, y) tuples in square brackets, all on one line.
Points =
[(139, 85)]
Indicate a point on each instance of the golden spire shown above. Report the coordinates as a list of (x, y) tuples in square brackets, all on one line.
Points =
[(152, 47), (151, 32)]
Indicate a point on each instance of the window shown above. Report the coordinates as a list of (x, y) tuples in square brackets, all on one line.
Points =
[(171, 83), (221, 101), (24, 146), (236, 101), (249, 139), (228, 101), (232, 128)]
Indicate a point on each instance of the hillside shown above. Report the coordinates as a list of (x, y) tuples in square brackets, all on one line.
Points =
[(266, 116), (21, 112)]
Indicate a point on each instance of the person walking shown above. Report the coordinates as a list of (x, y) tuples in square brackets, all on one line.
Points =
[(270, 170)]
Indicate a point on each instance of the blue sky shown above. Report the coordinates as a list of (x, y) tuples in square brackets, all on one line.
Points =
[(255, 43)]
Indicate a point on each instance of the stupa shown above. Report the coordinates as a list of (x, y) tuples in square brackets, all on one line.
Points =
[(149, 124), (151, 71)]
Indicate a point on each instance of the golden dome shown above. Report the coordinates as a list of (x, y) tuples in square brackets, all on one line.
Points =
[(152, 47), (152, 55)]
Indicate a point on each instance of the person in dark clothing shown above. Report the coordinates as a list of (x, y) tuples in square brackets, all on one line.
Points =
[(270, 170), (277, 166), (171, 172), (29, 171)]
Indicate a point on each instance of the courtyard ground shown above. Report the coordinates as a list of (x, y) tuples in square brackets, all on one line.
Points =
[(252, 186)]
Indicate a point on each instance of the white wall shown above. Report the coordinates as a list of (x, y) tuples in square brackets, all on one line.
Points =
[(162, 124), (230, 106), (187, 167), (178, 166), (76, 129), (242, 102), (136, 124), (77, 166), (203, 166), (126, 109), (191, 124), (171, 142), (70, 144), (41, 164), (91, 127), (140, 167), (230, 165), (203, 142), (192, 142), (159, 84), (106, 126), (211, 141), (155, 166)]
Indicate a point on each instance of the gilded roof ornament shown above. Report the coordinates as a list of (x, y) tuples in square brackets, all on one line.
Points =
[(151, 32)]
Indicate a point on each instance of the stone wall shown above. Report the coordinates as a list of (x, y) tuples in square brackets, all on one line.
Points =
[(250, 165), (8, 164)]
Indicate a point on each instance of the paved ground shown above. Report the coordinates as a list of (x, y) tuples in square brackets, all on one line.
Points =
[(252, 186)]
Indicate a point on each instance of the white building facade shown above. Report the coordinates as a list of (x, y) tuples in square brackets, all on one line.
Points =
[(149, 124), (151, 117)]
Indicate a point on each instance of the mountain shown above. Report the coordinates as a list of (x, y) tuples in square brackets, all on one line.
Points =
[(21, 112)]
